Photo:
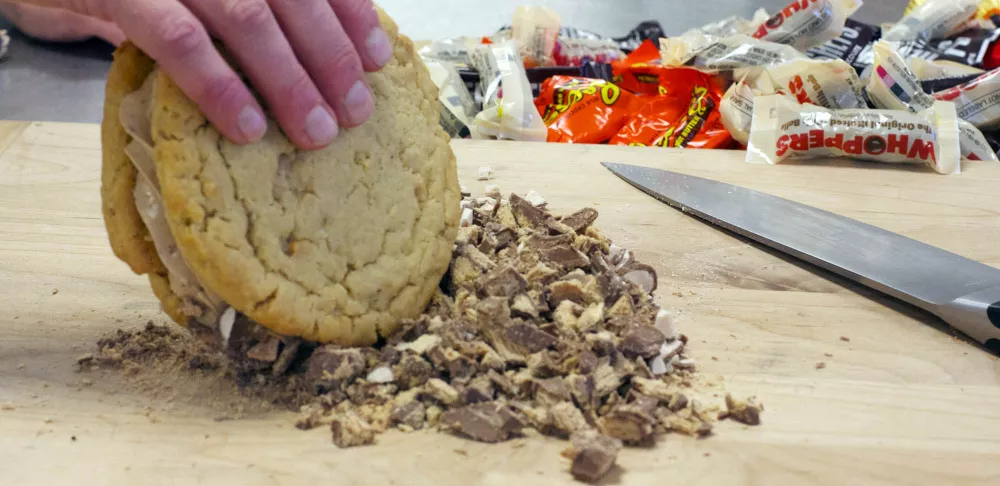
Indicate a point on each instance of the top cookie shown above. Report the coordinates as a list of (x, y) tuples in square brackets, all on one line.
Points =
[(335, 245)]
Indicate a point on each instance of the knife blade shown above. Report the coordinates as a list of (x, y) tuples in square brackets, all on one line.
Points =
[(962, 292)]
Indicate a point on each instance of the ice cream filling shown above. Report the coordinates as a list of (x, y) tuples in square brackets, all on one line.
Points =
[(198, 302)]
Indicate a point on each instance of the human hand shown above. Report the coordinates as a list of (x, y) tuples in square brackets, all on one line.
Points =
[(58, 25), (307, 58)]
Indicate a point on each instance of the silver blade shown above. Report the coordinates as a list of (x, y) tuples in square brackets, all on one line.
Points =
[(894, 264)]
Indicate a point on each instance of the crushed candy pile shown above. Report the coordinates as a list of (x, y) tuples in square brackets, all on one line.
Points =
[(698, 89)]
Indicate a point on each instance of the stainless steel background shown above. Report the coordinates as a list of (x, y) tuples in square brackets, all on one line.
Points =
[(65, 82)]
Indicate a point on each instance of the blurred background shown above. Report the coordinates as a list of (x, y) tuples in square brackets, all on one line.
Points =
[(65, 82)]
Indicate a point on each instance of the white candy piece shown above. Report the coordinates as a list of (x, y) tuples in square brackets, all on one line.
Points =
[(493, 190), (657, 366), (464, 190), (642, 278), (665, 323), (380, 375), (466, 220), (686, 364), (226, 322), (534, 198), (484, 174), (468, 204), (670, 350)]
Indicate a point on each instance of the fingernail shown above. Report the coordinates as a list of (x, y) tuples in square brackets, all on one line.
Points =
[(378, 46), (251, 123), (360, 104), (320, 126)]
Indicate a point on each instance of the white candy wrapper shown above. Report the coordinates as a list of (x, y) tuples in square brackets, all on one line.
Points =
[(934, 19), (536, 29), (925, 69), (804, 24), (712, 54), (978, 101), (732, 25), (508, 105), (893, 86), (783, 129), (830, 83)]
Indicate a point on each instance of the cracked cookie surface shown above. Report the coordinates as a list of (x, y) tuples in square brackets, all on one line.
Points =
[(335, 245)]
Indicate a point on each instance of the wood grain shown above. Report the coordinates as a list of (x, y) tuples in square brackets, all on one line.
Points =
[(901, 402)]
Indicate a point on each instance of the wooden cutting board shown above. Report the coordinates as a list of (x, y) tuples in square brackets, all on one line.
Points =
[(900, 400)]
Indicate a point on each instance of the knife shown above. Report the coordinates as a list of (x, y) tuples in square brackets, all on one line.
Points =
[(962, 292)]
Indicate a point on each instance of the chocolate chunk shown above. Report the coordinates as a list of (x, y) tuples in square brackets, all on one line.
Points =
[(412, 371), (441, 391), (539, 241), (606, 379), (567, 419), (526, 338), (479, 260), (503, 282), (542, 365), (644, 402), (350, 430), (484, 422), (460, 368), (556, 228), (639, 274), (583, 390), (266, 350), (581, 219), (289, 351), (566, 257), (678, 402), (642, 341), (598, 263), (629, 423), (371, 393), (542, 274), (492, 312), (527, 215), (586, 361), (567, 314), (331, 368), (488, 245), (593, 455), (537, 417), (504, 236), (524, 307), (409, 330), (502, 383), (612, 286), (479, 390), (411, 414), (551, 391), (563, 290), (745, 411)]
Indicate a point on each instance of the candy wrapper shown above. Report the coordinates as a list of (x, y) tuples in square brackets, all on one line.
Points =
[(684, 115), (807, 23), (535, 29), (649, 30), (577, 52), (508, 108), (853, 40), (640, 71), (783, 129), (711, 54), (830, 83), (933, 19), (456, 103), (732, 26), (582, 110), (453, 51), (924, 69), (893, 86), (978, 101)]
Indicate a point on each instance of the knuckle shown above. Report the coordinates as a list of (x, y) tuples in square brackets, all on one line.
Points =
[(342, 62), (301, 89), (248, 14), (221, 92), (353, 10), (181, 35)]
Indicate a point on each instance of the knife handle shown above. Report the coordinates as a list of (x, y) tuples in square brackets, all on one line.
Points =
[(977, 315)]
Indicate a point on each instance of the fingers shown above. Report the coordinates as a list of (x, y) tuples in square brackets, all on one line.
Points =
[(252, 34), (363, 27), (326, 51), (170, 33)]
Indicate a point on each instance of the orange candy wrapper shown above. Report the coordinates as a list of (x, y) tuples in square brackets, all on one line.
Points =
[(583, 110), (640, 71), (685, 114)]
